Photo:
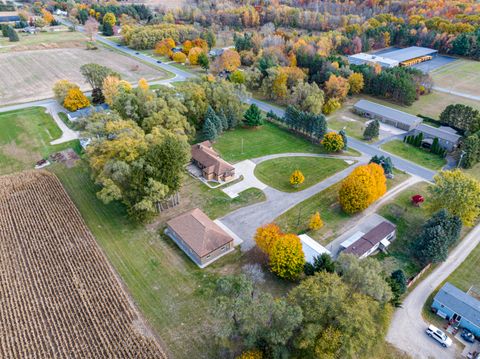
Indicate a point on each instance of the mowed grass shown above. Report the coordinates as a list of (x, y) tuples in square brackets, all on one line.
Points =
[(245, 143), (414, 154), (430, 105), (174, 295), (336, 221), (25, 137), (462, 76), (276, 173)]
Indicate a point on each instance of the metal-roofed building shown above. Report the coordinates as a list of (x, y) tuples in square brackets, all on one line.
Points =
[(453, 304), (387, 115), (447, 136), (312, 248), (409, 53), (369, 59)]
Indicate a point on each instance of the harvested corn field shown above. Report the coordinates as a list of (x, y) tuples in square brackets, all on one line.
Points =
[(59, 297)]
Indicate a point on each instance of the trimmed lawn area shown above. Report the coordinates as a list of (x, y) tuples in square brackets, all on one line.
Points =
[(409, 220), (462, 75), (174, 295), (414, 154), (276, 173), (335, 220), (25, 137), (244, 143), (63, 116)]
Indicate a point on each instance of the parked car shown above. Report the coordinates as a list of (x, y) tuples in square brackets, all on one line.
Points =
[(159, 62), (439, 336), (137, 53), (468, 336)]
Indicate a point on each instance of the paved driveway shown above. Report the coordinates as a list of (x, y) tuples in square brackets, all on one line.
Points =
[(246, 169)]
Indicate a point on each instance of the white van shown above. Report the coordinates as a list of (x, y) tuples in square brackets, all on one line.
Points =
[(439, 336)]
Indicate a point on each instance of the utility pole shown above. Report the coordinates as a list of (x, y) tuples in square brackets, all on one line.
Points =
[(242, 145)]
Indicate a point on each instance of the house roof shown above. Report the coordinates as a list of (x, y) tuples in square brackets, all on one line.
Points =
[(312, 248), (204, 154), (444, 133), (388, 112), (373, 58), (460, 302), (408, 53), (88, 110), (370, 239), (199, 232)]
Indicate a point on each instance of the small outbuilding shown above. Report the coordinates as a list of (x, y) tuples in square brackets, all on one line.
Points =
[(459, 307), (364, 244), (311, 248), (199, 237), (387, 115)]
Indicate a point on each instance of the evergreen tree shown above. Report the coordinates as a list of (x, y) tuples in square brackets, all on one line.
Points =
[(209, 130), (253, 116), (12, 34), (372, 131), (385, 162), (107, 29), (223, 120), (231, 118), (435, 146), (203, 61), (4, 28), (97, 96), (214, 119), (344, 137), (398, 284)]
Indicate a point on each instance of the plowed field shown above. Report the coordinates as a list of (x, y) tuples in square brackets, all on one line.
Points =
[(59, 297)]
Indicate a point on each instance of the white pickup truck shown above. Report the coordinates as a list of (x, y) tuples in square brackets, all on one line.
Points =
[(439, 336)]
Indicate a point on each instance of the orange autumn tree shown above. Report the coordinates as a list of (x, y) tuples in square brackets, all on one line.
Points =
[(75, 100), (286, 257), (193, 55), (362, 187), (337, 87), (179, 57), (164, 47), (266, 236), (229, 60)]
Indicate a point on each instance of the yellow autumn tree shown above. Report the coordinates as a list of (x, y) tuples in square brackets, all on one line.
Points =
[(110, 18), (47, 16), (296, 178), (337, 87), (187, 46), (164, 47), (110, 89), (266, 236), (315, 222), (179, 57), (356, 82), (61, 88), (75, 100), (193, 55), (362, 187), (333, 142), (251, 354), (331, 106), (143, 84), (286, 257)]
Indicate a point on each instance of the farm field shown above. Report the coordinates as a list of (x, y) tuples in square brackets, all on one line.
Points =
[(43, 40), (266, 140), (415, 154), (32, 74), (61, 298), (276, 173), (25, 137), (174, 295), (461, 76)]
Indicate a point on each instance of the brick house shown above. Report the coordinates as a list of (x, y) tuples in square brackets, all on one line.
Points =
[(213, 167)]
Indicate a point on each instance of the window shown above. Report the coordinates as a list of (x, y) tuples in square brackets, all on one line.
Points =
[(389, 236), (208, 256), (223, 248)]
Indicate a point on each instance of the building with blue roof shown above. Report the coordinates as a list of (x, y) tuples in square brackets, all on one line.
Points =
[(87, 111), (455, 305)]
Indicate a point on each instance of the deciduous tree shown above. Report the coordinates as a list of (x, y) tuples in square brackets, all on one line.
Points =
[(315, 222), (75, 100), (286, 257), (333, 142), (356, 82), (266, 236), (296, 178), (194, 54), (95, 74), (179, 57), (337, 87), (110, 18), (61, 88)]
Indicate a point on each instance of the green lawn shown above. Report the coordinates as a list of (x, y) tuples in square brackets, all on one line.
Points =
[(474, 171), (244, 143), (172, 293), (276, 173), (25, 137), (63, 116), (335, 220), (462, 75), (414, 154), (408, 220)]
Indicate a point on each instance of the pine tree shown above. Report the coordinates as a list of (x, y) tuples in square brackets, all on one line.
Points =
[(231, 118), (223, 120), (212, 116), (435, 146), (372, 131), (107, 29), (253, 116), (97, 96), (344, 137), (209, 131), (12, 34)]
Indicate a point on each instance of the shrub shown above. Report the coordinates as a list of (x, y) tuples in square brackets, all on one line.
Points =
[(296, 178)]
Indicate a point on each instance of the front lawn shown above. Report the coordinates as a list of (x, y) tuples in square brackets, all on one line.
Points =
[(414, 154), (25, 137), (276, 173), (173, 294), (245, 143)]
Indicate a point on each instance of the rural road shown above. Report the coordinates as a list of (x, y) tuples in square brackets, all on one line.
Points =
[(407, 330)]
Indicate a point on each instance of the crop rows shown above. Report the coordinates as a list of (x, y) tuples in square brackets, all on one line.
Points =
[(59, 297)]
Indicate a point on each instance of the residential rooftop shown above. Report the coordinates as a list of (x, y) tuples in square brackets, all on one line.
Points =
[(387, 112), (459, 302)]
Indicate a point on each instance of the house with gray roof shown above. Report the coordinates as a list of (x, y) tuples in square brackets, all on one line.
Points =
[(388, 115), (455, 305), (447, 136)]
